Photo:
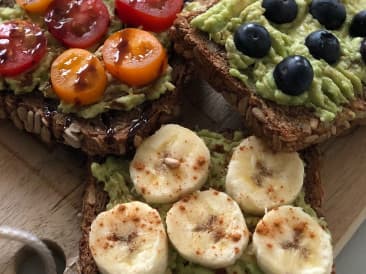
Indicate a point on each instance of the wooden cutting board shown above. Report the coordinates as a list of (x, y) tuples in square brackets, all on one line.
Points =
[(41, 188)]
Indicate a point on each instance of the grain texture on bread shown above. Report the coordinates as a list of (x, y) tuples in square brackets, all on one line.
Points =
[(284, 128), (114, 132), (95, 201)]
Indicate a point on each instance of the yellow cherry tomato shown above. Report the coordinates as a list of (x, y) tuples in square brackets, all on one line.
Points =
[(34, 6), (134, 56), (78, 77)]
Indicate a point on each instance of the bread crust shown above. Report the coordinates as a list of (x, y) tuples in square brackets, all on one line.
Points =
[(95, 201), (114, 132), (288, 128)]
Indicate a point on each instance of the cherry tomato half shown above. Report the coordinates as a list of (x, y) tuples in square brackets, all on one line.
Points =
[(22, 46), (78, 77), (34, 6), (134, 56), (152, 15), (79, 24)]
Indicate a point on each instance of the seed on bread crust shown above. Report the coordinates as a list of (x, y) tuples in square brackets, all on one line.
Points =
[(346, 124), (314, 123), (37, 123), (17, 122), (243, 105), (72, 135), (137, 141), (288, 138), (29, 124), (44, 121), (258, 113), (22, 113), (310, 139)]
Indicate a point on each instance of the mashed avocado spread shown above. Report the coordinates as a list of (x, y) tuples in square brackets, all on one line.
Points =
[(114, 173), (333, 85), (117, 96)]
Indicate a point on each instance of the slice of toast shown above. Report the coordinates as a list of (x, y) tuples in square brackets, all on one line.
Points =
[(112, 132), (286, 128), (95, 201)]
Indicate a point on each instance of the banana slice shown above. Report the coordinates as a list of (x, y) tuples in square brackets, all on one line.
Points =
[(171, 163), (208, 228), (259, 179), (129, 239), (287, 240)]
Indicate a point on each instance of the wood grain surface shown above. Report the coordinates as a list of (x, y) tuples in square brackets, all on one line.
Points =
[(40, 191), (41, 188)]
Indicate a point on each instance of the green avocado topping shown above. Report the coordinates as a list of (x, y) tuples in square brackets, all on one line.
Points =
[(118, 96), (333, 85), (114, 173)]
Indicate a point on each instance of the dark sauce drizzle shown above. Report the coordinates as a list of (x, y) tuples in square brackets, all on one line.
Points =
[(137, 124), (49, 110)]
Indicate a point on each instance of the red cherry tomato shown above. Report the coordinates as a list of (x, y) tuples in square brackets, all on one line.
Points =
[(78, 24), (22, 46), (152, 15)]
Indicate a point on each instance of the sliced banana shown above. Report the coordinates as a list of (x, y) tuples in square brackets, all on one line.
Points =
[(208, 228), (171, 163), (129, 239), (289, 241), (260, 179)]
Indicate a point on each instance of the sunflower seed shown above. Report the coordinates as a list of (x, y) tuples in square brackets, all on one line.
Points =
[(37, 123), (258, 113), (29, 124), (310, 139), (314, 123), (22, 113), (14, 117)]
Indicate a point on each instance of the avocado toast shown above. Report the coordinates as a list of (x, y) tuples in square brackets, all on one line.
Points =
[(115, 183), (33, 97), (299, 81)]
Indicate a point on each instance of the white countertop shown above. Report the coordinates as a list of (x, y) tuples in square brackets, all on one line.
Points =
[(352, 259)]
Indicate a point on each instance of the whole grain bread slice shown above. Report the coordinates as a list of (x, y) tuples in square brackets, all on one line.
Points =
[(113, 132), (95, 201), (284, 128)]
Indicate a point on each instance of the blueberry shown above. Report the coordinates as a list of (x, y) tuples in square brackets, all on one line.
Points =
[(358, 25), (253, 40), (330, 13), (323, 44), (363, 50), (280, 11), (293, 75)]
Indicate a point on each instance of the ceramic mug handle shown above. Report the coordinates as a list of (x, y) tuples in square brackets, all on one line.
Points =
[(25, 237)]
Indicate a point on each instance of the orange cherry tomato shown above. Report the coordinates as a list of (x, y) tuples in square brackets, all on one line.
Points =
[(34, 6), (78, 77), (134, 56)]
